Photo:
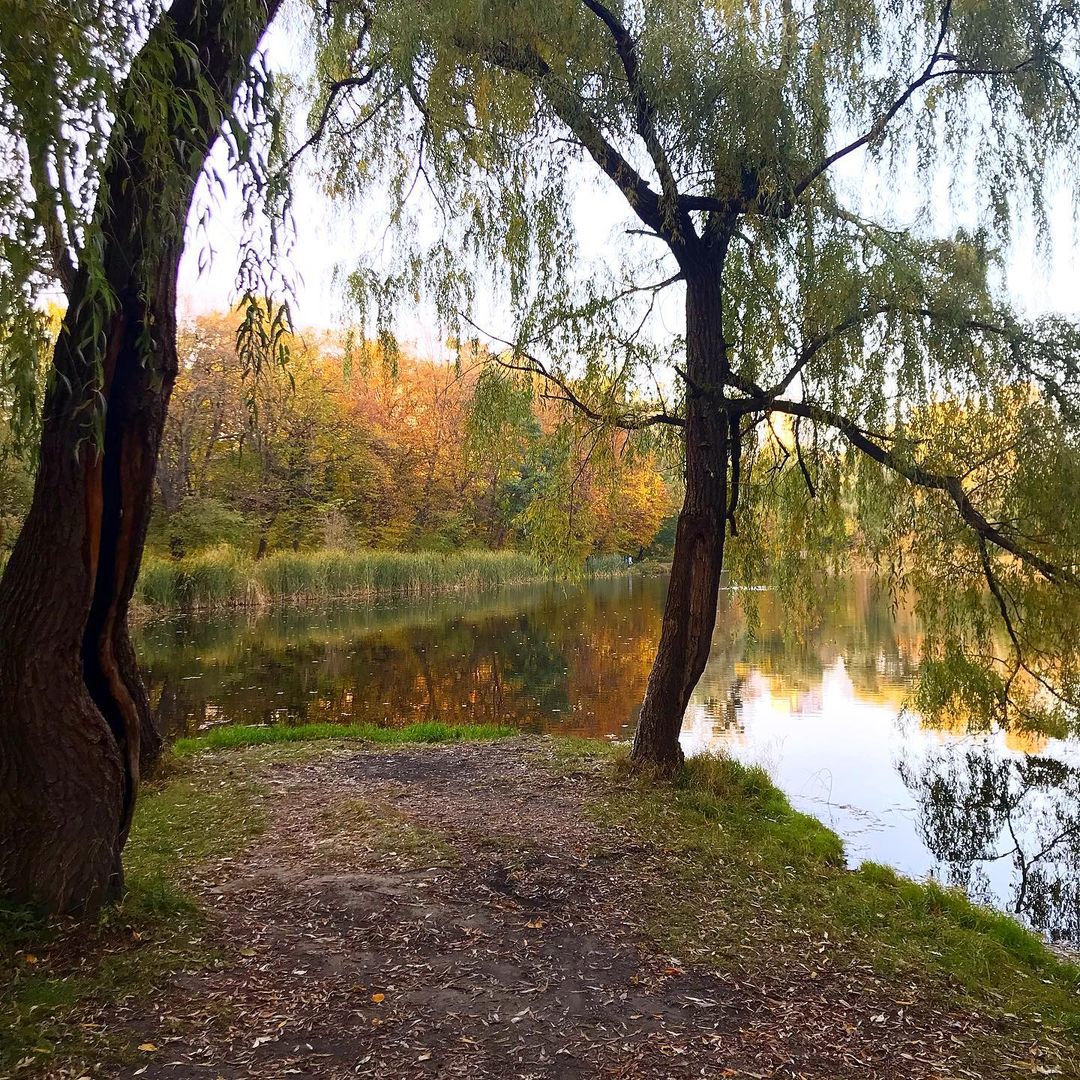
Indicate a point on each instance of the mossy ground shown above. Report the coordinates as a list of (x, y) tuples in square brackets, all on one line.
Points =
[(719, 870)]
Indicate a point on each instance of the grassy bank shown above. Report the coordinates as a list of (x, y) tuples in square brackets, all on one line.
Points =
[(238, 735), (744, 883), (223, 577), (747, 877)]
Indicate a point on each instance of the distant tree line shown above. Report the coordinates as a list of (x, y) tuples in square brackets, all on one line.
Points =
[(349, 445)]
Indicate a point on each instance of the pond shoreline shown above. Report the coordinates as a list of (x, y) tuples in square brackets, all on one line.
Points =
[(821, 712), (298, 874), (221, 580)]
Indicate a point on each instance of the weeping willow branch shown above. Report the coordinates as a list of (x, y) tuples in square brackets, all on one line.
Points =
[(916, 474), (931, 72), (735, 457), (644, 111), (1015, 336), (535, 366), (1022, 663), (49, 200), (811, 489)]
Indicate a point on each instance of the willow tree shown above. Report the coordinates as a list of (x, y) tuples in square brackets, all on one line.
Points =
[(108, 112), (842, 373)]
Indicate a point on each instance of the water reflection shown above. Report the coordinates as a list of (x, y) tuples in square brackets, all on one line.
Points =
[(820, 708), (568, 657), (981, 810)]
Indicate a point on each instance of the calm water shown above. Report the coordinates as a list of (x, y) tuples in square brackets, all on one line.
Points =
[(822, 711)]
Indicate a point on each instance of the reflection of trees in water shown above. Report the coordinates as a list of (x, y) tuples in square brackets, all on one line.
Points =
[(977, 808), (855, 623), (724, 709), (575, 658)]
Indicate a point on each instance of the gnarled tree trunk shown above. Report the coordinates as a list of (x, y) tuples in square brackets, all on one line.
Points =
[(74, 719), (693, 587)]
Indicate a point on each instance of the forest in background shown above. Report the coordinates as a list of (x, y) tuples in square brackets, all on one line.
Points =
[(357, 445)]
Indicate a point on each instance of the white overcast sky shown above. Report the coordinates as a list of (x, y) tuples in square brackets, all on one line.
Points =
[(328, 240)]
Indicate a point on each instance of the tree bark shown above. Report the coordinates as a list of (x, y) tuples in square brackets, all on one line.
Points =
[(76, 726), (698, 559)]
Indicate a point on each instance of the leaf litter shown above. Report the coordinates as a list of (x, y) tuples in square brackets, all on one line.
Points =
[(455, 911)]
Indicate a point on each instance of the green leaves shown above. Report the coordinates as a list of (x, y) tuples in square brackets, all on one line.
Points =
[(107, 111)]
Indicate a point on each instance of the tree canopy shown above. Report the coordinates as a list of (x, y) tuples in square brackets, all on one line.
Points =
[(878, 389), (349, 447)]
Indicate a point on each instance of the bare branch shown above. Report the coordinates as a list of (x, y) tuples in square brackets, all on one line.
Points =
[(950, 485), (337, 88), (535, 366)]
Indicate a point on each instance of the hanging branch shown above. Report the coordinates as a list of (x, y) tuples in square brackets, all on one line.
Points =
[(735, 456), (535, 366), (802, 464), (947, 483)]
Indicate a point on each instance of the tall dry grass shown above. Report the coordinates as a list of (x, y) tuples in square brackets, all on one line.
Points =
[(222, 577)]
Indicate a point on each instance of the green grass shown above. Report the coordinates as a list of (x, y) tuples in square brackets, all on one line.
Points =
[(239, 735), (602, 565), (749, 878), (222, 577), (53, 968), (305, 575)]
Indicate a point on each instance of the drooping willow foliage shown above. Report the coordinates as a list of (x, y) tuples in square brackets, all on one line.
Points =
[(55, 68), (887, 405), (68, 92)]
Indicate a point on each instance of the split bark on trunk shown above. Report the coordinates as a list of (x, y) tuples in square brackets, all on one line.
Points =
[(690, 607), (75, 724)]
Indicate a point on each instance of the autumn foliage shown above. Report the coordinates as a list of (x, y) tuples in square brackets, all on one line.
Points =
[(351, 445)]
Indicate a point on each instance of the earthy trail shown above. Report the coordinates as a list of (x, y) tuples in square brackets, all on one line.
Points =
[(454, 911)]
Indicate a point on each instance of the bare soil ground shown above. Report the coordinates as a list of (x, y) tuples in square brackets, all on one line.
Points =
[(455, 912)]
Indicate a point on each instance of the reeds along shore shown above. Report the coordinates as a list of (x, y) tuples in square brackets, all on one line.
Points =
[(223, 577)]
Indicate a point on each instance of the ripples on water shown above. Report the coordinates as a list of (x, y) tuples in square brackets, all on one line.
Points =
[(994, 813)]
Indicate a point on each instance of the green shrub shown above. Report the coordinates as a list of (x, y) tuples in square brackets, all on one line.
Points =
[(199, 524)]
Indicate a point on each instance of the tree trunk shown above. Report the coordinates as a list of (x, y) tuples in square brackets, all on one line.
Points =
[(76, 721), (690, 607)]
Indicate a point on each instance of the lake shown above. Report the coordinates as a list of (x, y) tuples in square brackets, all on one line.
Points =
[(821, 710)]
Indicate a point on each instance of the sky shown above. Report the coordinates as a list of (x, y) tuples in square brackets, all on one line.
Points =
[(329, 241)]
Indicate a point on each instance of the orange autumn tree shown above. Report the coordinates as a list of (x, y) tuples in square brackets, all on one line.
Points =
[(350, 444)]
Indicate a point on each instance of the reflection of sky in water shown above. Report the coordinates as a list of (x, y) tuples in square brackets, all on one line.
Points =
[(845, 760), (833, 755), (819, 710)]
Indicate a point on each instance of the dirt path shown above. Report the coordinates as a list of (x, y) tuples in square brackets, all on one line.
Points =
[(453, 911)]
